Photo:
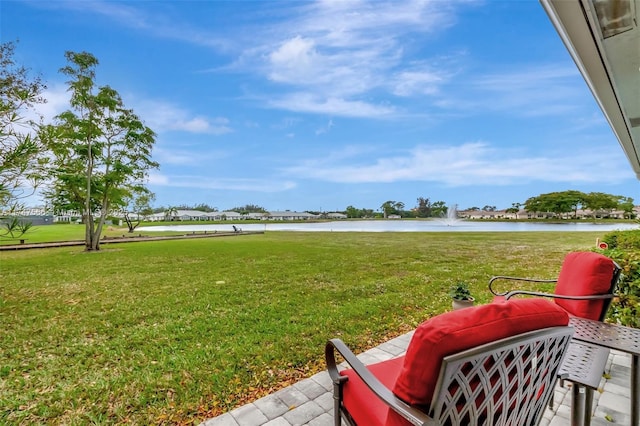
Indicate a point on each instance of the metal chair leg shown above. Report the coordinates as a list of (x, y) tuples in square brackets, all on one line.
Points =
[(578, 394)]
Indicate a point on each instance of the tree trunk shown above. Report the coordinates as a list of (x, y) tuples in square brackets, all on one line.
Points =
[(87, 203), (95, 241), (129, 222), (88, 235), (104, 209)]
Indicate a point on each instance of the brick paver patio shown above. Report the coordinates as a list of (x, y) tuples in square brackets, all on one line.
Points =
[(310, 402)]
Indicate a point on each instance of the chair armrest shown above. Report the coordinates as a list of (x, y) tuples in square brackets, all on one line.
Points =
[(510, 294), (504, 277), (411, 414)]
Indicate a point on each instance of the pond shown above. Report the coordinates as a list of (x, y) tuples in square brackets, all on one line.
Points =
[(434, 225)]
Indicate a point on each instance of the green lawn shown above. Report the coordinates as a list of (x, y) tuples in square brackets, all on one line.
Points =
[(178, 331), (72, 232)]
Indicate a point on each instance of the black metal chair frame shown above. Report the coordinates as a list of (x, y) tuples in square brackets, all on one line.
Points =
[(513, 393), (607, 297)]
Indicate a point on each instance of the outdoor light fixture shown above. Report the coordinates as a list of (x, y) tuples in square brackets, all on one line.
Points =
[(603, 38), (614, 16)]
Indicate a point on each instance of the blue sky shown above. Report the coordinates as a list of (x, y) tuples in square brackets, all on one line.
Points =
[(321, 105)]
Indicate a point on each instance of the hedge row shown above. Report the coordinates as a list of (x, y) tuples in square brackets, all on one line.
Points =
[(624, 248)]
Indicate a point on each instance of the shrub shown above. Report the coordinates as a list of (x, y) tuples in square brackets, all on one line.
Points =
[(623, 240), (460, 291), (624, 248)]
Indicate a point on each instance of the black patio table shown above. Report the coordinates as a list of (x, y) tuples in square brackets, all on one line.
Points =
[(613, 336), (583, 365)]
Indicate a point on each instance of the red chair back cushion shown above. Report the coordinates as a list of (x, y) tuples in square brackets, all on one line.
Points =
[(584, 274), (456, 331)]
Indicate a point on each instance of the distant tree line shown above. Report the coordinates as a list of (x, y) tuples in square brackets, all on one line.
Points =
[(356, 213), (565, 203), (424, 208), (249, 208), (486, 208), (202, 207)]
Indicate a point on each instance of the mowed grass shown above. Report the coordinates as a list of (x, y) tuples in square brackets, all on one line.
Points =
[(72, 232), (170, 332)]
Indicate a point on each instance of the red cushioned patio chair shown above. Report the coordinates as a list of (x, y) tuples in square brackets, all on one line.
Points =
[(585, 286), (493, 364)]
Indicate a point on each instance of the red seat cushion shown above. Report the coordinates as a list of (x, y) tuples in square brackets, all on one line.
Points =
[(584, 274), (363, 405), (456, 331)]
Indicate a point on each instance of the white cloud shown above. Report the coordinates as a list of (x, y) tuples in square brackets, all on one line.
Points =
[(533, 91), (57, 102), (206, 182), (411, 83), (157, 24), (533, 77), (464, 165), (157, 114), (163, 116), (158, 179), (352, 23), (306, 102), (332, 52), (195, 125), (294, 59), (335, 54), (296, 62), (175, 157)]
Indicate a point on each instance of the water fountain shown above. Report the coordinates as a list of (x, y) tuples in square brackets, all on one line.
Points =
[(451, 218)]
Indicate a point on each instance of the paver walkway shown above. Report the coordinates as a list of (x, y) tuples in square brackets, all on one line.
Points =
[(310, 402)]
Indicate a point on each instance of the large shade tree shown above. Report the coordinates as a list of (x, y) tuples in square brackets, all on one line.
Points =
[(626, 204), (601, 203), (423, 209), (439, 209), (560, 203), (101, 150), (391, 207), (21, 159)]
